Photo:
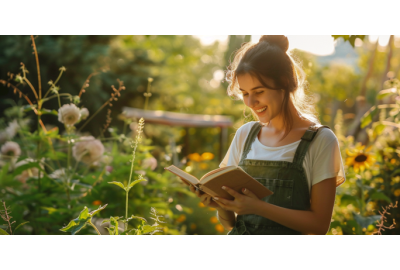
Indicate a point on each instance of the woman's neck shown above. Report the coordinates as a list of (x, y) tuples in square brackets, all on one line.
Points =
[(276, 125)]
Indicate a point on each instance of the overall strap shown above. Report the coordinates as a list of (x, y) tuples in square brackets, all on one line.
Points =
[(249, 140), (307, 138)]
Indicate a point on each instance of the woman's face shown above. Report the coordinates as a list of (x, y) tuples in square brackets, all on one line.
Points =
[(265, 102)]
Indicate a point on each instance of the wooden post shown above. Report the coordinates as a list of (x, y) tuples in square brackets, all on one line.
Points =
[(222, 139), (187, 152)]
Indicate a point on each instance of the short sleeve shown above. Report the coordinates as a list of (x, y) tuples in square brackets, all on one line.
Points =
[(327, 160), (232, 157)]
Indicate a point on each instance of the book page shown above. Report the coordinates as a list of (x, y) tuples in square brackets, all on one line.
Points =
[(214, 173), (190, 178)]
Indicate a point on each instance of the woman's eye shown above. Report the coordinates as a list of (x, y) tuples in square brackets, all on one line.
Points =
[(260, 92), (245, 94)]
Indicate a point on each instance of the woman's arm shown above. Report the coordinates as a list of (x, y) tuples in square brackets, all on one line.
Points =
[(314, 221)]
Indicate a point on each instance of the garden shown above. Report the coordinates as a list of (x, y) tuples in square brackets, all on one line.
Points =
[(75, 161)]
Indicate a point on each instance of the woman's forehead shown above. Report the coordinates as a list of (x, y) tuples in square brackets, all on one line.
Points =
[(248, 79)]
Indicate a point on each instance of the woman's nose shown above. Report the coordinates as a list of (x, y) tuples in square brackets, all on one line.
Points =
[(253, 101)]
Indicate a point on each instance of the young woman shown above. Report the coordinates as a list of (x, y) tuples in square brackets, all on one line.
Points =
[(287, 149)]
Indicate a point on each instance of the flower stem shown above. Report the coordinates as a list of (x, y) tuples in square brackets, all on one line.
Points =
[(91, 224)]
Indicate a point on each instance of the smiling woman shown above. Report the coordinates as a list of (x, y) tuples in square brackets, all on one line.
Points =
[(287, 150)]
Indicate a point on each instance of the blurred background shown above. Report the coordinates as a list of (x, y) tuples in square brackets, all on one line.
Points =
[(344, 74)]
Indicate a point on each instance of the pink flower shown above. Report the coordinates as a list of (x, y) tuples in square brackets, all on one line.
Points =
[(69, 114), (88, 150), (149, 163), (11, 150)]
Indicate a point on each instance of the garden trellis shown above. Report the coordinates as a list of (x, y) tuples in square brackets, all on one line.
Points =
[(185, 120)]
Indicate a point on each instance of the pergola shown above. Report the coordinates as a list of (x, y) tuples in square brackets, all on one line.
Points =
[(184, 120)]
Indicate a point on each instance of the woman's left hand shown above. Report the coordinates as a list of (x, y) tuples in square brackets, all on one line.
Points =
[(242, 204)]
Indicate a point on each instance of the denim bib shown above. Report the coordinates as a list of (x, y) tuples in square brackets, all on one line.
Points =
[(287, 180)]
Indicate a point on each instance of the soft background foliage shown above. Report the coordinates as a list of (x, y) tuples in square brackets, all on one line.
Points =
[(187, 77)]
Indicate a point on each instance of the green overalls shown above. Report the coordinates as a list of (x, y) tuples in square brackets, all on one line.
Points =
[(287, 180)]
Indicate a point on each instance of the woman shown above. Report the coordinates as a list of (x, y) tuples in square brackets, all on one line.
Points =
[(287, 150)]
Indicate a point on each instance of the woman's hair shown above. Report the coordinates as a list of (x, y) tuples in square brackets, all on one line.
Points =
[(269, 59)]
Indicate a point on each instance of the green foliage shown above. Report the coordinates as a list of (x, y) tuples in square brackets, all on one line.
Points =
[(350, 38), (84, 218)]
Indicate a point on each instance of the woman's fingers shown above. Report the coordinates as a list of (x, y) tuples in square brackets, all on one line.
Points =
[(249, 193)]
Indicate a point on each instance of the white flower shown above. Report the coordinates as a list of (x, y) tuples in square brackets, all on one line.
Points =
[(88, 150), (3, 136), (106, 159), (149, 163), (69, 114), (12, 129), (58, 174), (28, 173), (84, 113), (10, 150)]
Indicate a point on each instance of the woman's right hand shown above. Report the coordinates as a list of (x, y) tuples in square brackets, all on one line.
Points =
[(204, 198)]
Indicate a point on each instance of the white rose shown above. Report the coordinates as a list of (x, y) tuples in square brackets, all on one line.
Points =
[(88, 150), (69, 114)]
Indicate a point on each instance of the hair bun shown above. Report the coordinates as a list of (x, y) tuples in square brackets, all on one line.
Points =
[(279, 40)]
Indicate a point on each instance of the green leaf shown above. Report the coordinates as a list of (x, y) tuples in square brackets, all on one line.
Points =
[(3, 232), (27, 166), (105, 221), (364, 222), (379, 196), (349, 199), (79, 223), (368, 116), (16, 228), (378, 129), (135, 182), (136, 217), (46, 111), (94, 212), (149, 229), (118, 184), (383, 95), (114, 224), (111, 231), (74, 226)]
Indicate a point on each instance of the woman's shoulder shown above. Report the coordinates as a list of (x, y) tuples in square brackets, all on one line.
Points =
[(245, 128), (325, 136)]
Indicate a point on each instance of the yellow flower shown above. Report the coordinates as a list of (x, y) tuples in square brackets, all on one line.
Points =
[(181, 218), (360, 159), (397, 192), (207, 156), (201, 204), (195, 157), (203, 166), (214, 219), (219, 228)]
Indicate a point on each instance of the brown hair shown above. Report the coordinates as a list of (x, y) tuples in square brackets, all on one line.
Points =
[(269, 59)]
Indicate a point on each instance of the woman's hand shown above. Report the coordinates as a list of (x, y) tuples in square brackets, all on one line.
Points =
[(242, 204), (204, 198)]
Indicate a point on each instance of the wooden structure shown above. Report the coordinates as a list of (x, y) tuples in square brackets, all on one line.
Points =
[(184, 120)]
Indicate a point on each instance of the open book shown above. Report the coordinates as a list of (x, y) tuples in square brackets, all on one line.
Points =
[(230, 176)]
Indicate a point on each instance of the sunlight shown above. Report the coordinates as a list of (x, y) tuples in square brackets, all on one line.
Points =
[(317, 44)]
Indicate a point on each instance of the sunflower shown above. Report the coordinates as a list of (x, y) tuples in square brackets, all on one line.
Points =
[(360, 159)]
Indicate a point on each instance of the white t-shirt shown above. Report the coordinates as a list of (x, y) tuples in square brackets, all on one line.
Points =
[(322, 160)]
